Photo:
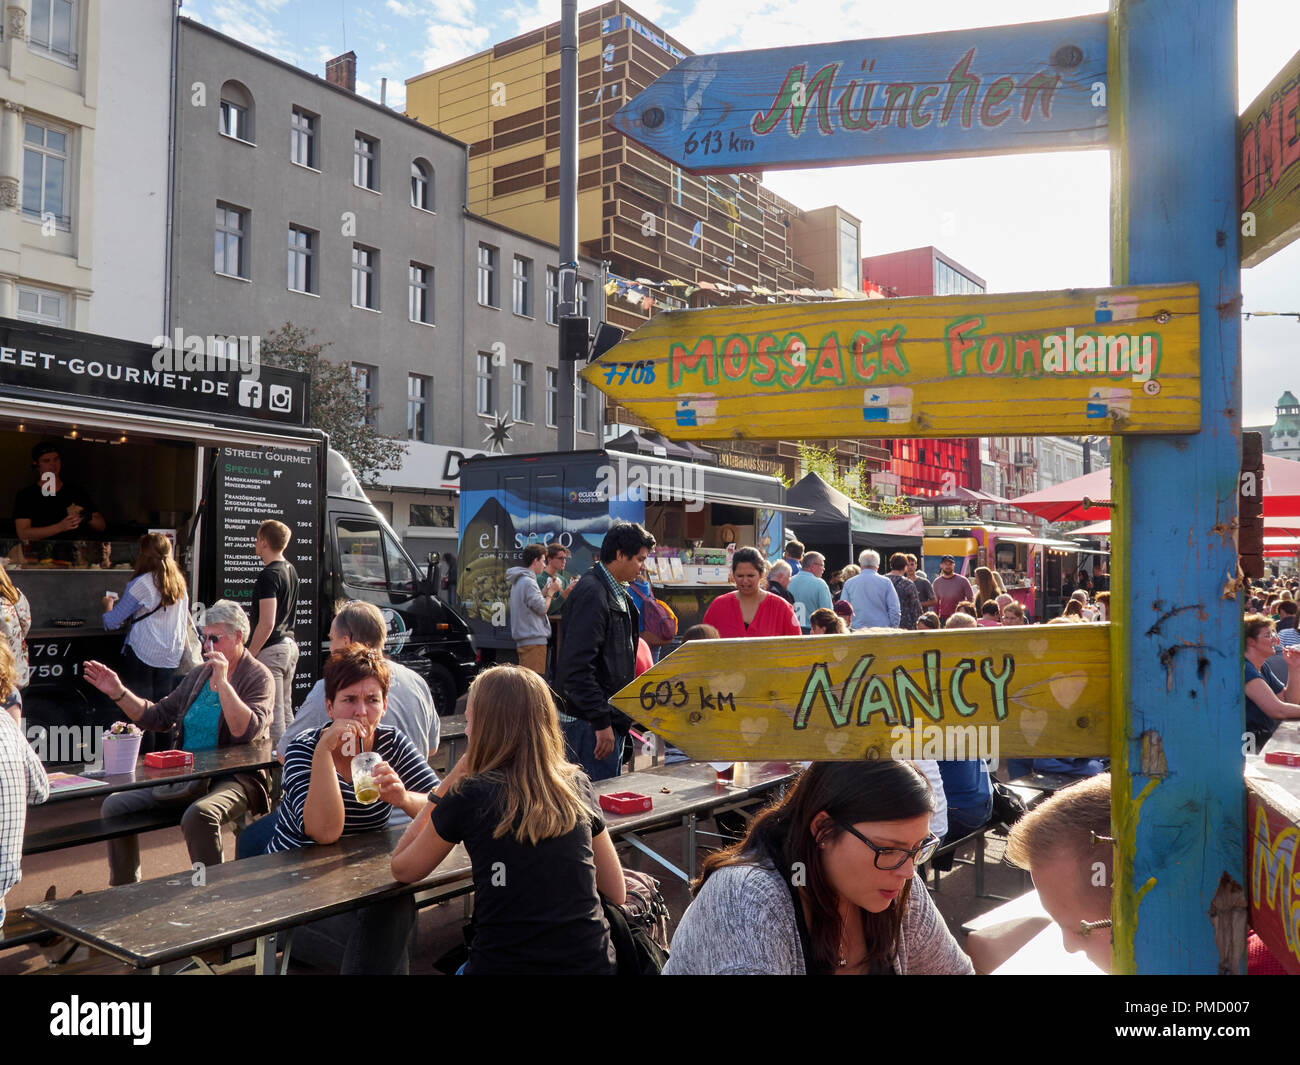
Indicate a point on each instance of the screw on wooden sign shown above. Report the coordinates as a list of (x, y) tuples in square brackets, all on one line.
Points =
[(1089, 361), (1045, 692)]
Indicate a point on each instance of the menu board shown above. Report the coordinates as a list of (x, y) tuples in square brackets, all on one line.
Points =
[(252, 485)]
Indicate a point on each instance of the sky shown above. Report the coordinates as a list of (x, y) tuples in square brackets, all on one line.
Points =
[(1023, 223)]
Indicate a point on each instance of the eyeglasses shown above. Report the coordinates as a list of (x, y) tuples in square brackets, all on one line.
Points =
[(885, 860), (210, 639)]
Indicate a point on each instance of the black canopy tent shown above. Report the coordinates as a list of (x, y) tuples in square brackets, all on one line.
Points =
[(839, 528)]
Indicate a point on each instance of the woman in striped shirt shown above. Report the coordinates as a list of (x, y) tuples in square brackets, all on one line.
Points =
[(320, 803)]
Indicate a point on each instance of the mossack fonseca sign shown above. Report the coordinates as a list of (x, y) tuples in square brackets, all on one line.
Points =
[(96, 369)]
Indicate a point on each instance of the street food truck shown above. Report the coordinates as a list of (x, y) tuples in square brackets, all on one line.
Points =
[(202, 454), (1031, 567), (696, 513)]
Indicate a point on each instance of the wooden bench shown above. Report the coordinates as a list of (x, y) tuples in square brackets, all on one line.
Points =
[(169, 919), (99, 829), (20, 931)]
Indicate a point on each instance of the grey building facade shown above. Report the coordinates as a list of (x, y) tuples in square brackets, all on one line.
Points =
[(512, 339), (299, 201), (296, 200)]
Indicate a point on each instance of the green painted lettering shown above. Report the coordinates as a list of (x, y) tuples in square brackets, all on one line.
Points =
[(999, 682), (819, 684), (931, 701), (878, 700), (701, 356), (965, 709)]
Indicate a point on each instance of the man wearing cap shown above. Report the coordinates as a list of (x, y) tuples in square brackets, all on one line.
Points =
[(51, 509), (950, 588)]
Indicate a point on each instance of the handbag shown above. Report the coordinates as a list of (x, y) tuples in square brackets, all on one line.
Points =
[(192, 652), (660, 621), (638, 929), (1008, 807)]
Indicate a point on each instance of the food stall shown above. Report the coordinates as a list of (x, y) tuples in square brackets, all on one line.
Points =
[(696, 513), (144, 447), (840, 528)]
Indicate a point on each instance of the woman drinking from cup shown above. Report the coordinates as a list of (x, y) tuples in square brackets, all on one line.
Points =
[(347, 777), (825, 882), (750, 611)]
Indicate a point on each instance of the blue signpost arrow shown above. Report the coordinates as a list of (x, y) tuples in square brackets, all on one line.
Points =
[(1028, 88)]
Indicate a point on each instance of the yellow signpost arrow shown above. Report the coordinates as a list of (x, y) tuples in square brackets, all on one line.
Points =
[(954, 694), (1084, 361), (1270, 167)]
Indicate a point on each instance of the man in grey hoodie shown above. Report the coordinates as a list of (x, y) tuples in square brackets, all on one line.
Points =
[(529, 625)]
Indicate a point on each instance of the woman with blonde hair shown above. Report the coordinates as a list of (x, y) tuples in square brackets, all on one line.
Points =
[(156, 604), (11, 700), (15, 623), (520, 806)]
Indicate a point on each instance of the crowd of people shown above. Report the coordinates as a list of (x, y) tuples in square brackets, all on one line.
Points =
[(824, 881)]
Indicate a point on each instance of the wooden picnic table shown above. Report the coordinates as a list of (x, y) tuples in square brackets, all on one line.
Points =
[(214, 762), (170, 918), (53, 825)]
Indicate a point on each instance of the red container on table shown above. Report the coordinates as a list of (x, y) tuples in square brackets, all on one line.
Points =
[(168, 759), (1291, 758), (626, 802)]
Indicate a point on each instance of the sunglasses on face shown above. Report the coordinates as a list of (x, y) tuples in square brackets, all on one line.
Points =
[(210, 640), (889, 858)]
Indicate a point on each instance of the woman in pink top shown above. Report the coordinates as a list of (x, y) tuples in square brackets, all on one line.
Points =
[(750, 611)]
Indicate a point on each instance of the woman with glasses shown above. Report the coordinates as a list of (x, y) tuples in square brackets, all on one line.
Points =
[(825, 882), (1268, 700), (225, 702)]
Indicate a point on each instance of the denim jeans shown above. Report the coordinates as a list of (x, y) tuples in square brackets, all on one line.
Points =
[(580, 746), (254, 839)]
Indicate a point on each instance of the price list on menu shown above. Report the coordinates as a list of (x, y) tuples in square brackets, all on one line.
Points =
[(253, 485)]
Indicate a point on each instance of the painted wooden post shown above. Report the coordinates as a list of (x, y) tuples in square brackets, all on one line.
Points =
[(1176, 633)]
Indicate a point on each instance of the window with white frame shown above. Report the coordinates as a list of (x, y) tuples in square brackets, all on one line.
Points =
[(365, 162), (483, 382), (302, 137), (487, 276), (520, 401), (583, 293), (45, 173), (236, 112), (365, 378), (523, 285), (52, 28), (421, 185), (302, 259), (229, 247), (553, 295), (583, 405), (552, 397), (421, 293), (41, 305), (365, 277), (417, 407)]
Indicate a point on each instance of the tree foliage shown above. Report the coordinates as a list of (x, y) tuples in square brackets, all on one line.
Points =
[(337, 406), (854, 483)]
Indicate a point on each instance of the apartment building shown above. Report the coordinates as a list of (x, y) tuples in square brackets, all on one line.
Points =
[(84, 138), (671, 239)]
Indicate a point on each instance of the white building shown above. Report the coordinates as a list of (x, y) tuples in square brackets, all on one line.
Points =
[(83, 163), (1060, 459)]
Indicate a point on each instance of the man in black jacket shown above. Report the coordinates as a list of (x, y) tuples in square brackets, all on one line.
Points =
[(598, 653)]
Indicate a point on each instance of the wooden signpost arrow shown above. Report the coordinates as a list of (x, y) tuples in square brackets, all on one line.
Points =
[(1270, 167), (882, 693), (1028, 88), (1080, 362)]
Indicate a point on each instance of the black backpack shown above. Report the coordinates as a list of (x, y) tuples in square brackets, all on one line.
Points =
[(639, 928)]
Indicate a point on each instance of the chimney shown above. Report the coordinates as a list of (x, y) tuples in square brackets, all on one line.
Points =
[(342, 71)]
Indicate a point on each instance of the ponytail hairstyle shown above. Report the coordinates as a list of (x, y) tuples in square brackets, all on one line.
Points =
[(156, 558)]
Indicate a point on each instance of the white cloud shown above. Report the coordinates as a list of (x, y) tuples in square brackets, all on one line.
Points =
[(253, 26), (447, 44)]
